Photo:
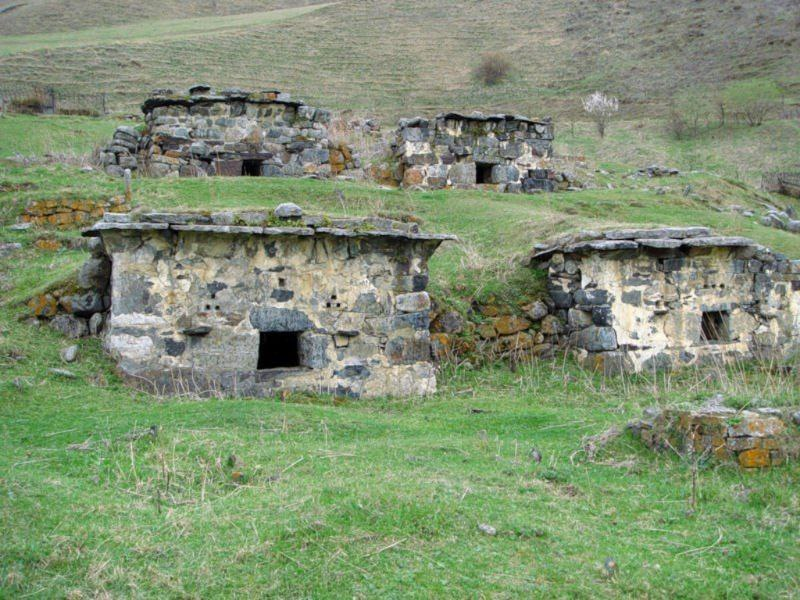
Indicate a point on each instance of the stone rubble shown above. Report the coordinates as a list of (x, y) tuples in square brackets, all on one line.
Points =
[(754, 438)]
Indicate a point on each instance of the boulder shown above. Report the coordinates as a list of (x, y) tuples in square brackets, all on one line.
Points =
[(288, 210)]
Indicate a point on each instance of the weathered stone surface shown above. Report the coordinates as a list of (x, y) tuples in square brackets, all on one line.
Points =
[(509, 324), (596, 339), (69, 354), (658, 233), (413, 302), (537, 311), (70, 326), (269, 318), (288, 210)]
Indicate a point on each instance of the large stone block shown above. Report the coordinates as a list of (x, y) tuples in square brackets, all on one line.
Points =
[(270, 318), (413, 302), (596, 339)]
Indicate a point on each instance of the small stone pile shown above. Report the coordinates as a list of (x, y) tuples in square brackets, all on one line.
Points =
[(66, 213), (781, 219), (754, 438), (79, 310), (230, 133)]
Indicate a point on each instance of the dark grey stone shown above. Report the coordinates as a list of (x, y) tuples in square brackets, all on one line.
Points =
[(70, 326), (402, 350), (85, 305), (591, 296), (602, 316), (269, 318), (632, 297), (281, 295), (561, 298), (174, 347), (94, 274), (596, 339), (353, 372)]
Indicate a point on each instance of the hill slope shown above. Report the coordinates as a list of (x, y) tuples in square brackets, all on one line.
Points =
[(411, 56)]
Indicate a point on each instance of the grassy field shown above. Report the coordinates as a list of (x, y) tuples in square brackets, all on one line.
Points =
[(311, 496), (402, 58)]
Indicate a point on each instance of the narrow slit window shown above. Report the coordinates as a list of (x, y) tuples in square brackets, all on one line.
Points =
[(251, 168), (483, 172), (278, 349), (715, 326)]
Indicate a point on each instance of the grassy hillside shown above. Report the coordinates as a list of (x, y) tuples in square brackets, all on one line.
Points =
[(407, 57)]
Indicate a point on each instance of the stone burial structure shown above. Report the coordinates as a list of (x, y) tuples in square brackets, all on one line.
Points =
[(506, 152), (229, 133), (641, 299), (253, 302)]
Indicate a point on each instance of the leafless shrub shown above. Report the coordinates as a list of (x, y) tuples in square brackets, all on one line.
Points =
[(493, 68)]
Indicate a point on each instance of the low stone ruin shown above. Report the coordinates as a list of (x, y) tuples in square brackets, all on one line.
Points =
[(645, 299), (754, 438), (230, 133), (253, 302), (504, 152), (68, 212)]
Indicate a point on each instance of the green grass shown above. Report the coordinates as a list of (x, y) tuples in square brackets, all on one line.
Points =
[(146, 32), (383, 498)]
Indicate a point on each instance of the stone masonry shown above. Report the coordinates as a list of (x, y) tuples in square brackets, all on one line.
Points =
[(506, 152), (230, 133), (249, 303), (754, 438), (644, 299)]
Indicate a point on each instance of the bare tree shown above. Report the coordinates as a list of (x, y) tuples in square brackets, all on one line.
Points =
[(601, 109)]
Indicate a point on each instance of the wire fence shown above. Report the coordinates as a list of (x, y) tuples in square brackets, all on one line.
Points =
[(48, 100)]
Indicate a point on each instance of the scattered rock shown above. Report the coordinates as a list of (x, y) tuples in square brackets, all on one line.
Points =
[(63, 373), (535, 455), (487, 529), (70, 326), (69, 354), (9, 248), (288, 210), (610, 568), (21, 226), (96, 323)]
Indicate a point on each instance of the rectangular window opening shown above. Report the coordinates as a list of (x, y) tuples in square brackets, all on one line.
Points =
[(715, 326), (278, 349), (483, 172), (251, 168)]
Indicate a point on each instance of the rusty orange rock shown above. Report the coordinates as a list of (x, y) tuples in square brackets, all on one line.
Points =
[(487, 331), (48, 244), (412, 176), (43, 305), (510, 324), (754, 459)]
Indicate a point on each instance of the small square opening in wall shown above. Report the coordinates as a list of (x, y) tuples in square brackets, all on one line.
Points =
[(251, 168), (715, 326), (483, 172), (278, 349)]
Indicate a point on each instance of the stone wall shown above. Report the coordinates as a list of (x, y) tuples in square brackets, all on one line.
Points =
[(754, 438), (68, 213), (636, 300), (191, 297), (505, 152), (230, 133)]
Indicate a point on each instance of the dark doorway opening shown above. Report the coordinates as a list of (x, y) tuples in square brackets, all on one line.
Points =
[(251, 168), (715, 326), (483, 172), (278, 349)]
